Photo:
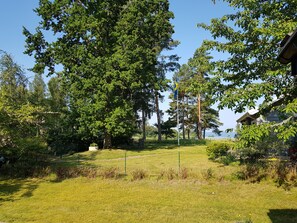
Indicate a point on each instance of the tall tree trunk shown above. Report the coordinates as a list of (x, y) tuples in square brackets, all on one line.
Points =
[(143, 126), (183, 118), (188, 129), (107, 140), (199, 123), (158, 116), (204, 130)]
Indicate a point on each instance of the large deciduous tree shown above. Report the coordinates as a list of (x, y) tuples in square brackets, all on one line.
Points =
[(250, 39), (107, 51)]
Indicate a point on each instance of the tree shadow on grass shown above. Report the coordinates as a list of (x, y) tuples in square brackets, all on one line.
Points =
[(10, 189), (151, 145), (283, 215), (76, 160)]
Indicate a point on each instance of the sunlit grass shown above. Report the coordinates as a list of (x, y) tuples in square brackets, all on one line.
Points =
[(195, 199), (193, 158), (96, 200)]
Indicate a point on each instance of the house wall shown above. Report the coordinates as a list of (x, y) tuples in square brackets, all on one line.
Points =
[(273, 117)]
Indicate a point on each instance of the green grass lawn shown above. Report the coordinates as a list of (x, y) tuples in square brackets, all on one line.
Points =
[(195, 199)]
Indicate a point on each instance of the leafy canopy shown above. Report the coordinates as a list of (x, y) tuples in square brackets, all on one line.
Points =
[(250, 39), (107, 51)]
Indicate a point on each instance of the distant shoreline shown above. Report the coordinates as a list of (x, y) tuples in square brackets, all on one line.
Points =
[(224, 135)]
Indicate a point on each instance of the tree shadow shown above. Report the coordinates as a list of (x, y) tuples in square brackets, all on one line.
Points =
[(10, 188), (283, 215), (76, 159), (151, 145), (29, 190)]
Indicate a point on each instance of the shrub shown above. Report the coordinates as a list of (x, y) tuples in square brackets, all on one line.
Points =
[(259, 141), (110, 173), (228, 159), (292, 152), (216, 150), (93, 144), (138, 174), (184, 173), (207, 174), (253, 172), (169, 174), (73, 172), (24, 169), (284, 174)]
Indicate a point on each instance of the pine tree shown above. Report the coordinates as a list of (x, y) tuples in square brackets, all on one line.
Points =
[(195, 95)]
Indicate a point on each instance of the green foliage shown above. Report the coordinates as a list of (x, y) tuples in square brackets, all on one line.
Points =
[(254, 173), (217, 149), (195, 95), (250, 37), (37, 91), (151, 131), (21, 122), (108, 53), (258, 141), (166, 129)]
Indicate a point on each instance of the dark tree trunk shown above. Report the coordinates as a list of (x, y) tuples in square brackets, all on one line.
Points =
[(107, 140), (143, 126), (158, 116), (188, 129)]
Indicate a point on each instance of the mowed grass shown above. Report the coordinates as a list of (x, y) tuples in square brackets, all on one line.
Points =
[(220, 199), (153, 161)]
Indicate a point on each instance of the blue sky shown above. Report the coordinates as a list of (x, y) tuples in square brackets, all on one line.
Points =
[(14, 14)]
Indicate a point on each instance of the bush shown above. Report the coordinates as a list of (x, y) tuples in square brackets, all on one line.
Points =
[(169, 174), (74, 172), (184, 173), (250, 154), (259, 141), (253, 172), (228, 159), (110, 173), (24, 169), (292, 152), (284, 174), (207, 174), (216, 150), (31, 150), (138, 174), (93, 144)]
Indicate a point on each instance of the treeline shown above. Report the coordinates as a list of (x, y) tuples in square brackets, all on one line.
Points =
[(35, 118), (107, 65)]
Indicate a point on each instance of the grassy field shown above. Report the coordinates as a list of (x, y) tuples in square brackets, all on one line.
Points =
[(219, 198)]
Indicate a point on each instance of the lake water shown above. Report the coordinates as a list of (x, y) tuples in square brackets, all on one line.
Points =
[(224, 135)]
